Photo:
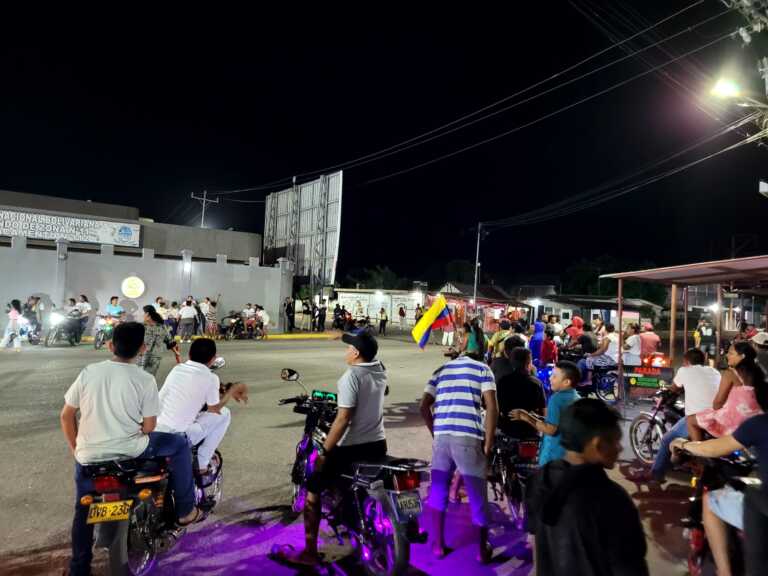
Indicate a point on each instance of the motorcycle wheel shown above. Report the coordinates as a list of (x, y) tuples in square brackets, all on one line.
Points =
[(98, 342), (298, 498), (514, 491), (645, 436), (606, 387), (133, 551), (386, 551), (50, 338)]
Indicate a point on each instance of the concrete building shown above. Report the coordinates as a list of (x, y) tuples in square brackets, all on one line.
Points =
[(65, 216), (58, 248)]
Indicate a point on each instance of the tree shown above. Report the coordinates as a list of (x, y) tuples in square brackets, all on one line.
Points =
[(377, 277), (583, 277)]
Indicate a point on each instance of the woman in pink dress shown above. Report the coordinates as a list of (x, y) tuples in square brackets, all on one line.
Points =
[(735, 400)]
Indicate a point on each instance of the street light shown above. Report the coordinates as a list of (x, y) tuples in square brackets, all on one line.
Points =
[(726, 88)]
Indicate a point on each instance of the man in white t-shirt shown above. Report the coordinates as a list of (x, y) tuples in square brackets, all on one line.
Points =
[(700, 383), (205, 306), (118, 404), (187, 388), (187, 316)]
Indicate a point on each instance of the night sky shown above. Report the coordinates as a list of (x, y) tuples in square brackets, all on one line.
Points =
[(143, 113)]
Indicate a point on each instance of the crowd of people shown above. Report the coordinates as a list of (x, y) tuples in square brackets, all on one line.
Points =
[(489, 388)]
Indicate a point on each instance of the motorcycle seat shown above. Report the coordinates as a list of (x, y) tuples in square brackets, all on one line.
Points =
[(131, 466)]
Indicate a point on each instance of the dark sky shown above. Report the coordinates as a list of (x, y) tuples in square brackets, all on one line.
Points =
[(144, 112)]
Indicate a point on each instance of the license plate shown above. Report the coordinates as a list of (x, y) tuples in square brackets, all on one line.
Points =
[(408, 504), (109, 511)]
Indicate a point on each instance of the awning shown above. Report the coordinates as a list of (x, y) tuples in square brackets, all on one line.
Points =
[(743, 273)]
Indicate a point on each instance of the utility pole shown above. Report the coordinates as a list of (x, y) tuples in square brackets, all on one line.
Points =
[(477, 265), (204, 201)]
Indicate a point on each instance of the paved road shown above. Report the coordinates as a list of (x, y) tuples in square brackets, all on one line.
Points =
[(36, 467)]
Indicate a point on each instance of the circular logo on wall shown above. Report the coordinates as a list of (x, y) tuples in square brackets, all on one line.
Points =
[(132, 287), (125, 233)]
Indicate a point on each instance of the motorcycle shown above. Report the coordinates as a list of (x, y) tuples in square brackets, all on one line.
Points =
[(63, 327), (377, 505), (233, 327), (133, 507), (711, 474), (105, 325), (512, 463), (648, 428)]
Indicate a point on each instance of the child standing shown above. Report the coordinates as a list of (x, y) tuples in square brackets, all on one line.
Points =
[(572, 501), (548, 348), (564, 377)]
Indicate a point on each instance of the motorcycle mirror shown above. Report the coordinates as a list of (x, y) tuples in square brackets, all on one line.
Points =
[(218, 362), (289, 375)]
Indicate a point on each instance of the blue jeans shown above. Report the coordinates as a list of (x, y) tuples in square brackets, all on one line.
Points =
[(662, 462), (174, 446)]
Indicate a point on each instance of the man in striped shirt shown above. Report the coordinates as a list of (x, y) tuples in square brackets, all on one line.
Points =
[(451, 409)]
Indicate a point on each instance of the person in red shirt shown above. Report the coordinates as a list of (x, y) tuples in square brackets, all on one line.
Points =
[(576, 329), (548, 348), (649, 340)]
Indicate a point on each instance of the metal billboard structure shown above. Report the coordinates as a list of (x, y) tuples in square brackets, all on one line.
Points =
[(302, 224)]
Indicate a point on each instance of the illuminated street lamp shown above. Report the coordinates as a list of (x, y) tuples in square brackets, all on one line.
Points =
[(725, 88)]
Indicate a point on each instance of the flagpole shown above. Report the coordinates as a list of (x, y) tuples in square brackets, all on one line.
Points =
[(477, 266)]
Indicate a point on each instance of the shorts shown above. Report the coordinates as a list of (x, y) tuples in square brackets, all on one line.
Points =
[(728, 505), (340, 460), (465, 454), (708, 348)]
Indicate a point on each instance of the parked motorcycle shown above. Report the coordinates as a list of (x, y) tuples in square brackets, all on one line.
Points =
[(711, 474), (105, 325), (377, 505), (63, 327), (648, 428), (512, 462)]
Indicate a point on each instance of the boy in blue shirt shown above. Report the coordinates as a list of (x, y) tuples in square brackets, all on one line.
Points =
[(564, 377)]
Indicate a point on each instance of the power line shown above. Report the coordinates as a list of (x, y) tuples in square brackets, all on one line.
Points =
[(584, 196), (402, 148), (421, 138), (551, 114), (525, 219)]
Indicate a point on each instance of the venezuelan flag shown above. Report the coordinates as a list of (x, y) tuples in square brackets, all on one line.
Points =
[(436, 317)]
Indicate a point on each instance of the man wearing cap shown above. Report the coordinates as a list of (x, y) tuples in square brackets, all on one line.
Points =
[(649, 340), (356, 435), (760, 343)]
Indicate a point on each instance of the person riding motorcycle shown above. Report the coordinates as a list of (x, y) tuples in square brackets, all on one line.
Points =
[(700, 382), (114, 310), (748, 510), (357, 434), (187, 389), (118, 404), (518, 389)]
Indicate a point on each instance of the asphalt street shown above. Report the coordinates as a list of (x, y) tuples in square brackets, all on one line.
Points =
[(36, 467)]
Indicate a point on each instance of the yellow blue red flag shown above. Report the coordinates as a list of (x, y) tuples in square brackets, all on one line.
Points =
[(436, 317)]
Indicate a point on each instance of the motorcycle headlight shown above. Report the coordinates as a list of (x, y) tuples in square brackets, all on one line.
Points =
[(56, 319)]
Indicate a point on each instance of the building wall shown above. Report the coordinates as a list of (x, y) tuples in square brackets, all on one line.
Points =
[(203, 242), (38, 202), (99, 276)]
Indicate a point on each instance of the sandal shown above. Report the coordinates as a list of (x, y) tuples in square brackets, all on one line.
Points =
[(286, 554), (199, 517), (440, 552)]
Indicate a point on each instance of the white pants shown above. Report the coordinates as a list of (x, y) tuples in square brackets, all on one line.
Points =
[(210, 428), (447, 338), (7, 337)]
